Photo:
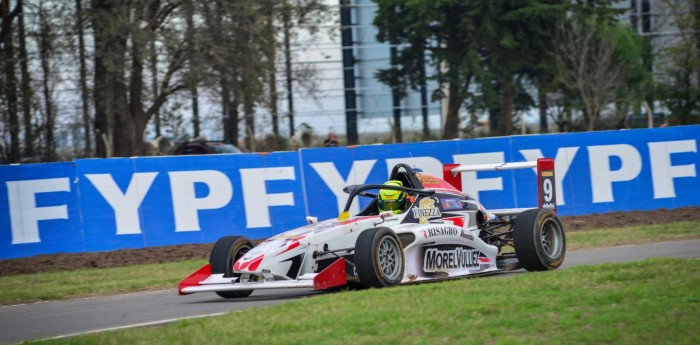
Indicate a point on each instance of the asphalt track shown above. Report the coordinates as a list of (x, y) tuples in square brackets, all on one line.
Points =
[(66, 318)]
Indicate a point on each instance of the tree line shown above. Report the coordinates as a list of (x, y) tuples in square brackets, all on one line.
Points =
[(134, 56), (580, 63), (134, 62)]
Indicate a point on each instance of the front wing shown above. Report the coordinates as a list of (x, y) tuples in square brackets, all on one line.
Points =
[(204, 281), (332, 276)]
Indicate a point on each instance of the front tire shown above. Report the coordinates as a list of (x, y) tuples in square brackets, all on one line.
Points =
[(539, 240), (379, 258), (226, 251)]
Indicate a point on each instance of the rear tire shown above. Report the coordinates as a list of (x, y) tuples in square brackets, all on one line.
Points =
[(226, 251), (379, 258), (539, 240)]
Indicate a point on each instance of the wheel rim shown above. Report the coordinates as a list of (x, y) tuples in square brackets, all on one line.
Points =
[(552, 238), (242, 250), (389, 258)]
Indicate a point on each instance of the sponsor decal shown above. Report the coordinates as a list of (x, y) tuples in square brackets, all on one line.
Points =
[(447, 231), (448, 259), (467, 235), (426, 210), (441, 231), (451, 204), (428, 179)]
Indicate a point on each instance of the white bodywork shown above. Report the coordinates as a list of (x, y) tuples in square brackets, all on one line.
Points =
[(443, 248), (439, 233)]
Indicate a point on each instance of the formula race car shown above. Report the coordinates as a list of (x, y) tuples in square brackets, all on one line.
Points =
[(440, 233)]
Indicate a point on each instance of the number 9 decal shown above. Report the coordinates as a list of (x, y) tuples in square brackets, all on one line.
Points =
[(547, 189)]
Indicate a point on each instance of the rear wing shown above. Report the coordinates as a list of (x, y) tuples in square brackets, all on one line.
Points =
[(547, 196)]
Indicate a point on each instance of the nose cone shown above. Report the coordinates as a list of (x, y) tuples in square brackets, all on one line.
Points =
[(249, 265)]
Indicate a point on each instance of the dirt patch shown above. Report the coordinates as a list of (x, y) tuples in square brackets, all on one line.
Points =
[(117, 258), (151, 255), (621, 219)]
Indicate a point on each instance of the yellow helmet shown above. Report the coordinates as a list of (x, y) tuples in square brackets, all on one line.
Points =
[(390, 199)]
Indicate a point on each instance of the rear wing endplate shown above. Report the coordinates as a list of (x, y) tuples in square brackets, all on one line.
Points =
[(545, 177)]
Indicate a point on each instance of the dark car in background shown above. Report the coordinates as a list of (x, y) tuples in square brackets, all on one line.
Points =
[(206, 147)]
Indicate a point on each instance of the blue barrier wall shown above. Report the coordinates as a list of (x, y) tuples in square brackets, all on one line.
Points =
[(107, 204)]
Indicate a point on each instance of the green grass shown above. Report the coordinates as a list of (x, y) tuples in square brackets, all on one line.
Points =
[(91, 282), (654, 301), (632, 235)]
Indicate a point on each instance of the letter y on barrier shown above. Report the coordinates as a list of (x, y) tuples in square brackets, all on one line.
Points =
[(125, 205), (331, 177)]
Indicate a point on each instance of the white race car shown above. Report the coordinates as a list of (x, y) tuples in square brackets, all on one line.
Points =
[(442, 233)]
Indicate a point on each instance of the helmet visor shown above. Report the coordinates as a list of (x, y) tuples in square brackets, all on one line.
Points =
[(391, 205)]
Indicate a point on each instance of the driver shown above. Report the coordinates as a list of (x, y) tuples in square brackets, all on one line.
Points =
[(391, 200)]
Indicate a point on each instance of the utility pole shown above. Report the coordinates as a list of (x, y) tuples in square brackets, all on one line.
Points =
[(396, 99), (288, 65), (348, 73)]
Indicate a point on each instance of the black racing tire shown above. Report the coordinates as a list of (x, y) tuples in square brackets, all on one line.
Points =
[(226, 251), (539, 240), (379, 258)]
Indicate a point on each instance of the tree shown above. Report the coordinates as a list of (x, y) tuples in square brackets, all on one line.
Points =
[(249, 34), (9, 82), (479, 49), (678, 84), (110, 26), (286, 32), (25, 85), (254, 77), (148, 19), (288, 18), (515, 36), (46, 50), (587, 51), (533, 25), (446, 31), (271, 57), (222, 49), (83, 82), (123, 30), (193, 59)]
